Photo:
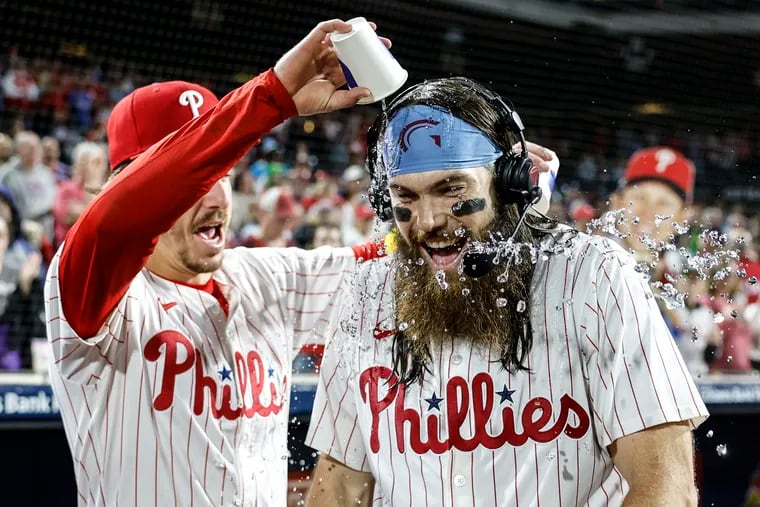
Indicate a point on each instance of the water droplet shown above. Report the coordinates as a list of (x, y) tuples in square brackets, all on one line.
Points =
[(734, 313), (635, 220), (709, 434), (718, 318), (694, 334), (681, 228), (741, 273), (501, 302), (721, 449), (521, 305), (440, 277), (658, 219), (550, 455), (729, 359), (502, 278), (403, 326), (752, 280), (465, 291), (420, 261)]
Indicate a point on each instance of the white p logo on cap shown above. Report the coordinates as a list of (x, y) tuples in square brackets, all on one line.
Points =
[(193, 99)]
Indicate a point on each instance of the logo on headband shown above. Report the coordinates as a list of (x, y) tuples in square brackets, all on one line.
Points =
[(404, 137)]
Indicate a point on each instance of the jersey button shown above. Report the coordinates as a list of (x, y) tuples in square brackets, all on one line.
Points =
[(456, 358), (459, 480)]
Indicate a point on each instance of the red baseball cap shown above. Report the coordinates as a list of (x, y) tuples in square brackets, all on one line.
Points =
[(662, 164), (148, 114)]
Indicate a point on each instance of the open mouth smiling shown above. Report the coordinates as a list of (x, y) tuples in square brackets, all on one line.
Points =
[(444, 253)]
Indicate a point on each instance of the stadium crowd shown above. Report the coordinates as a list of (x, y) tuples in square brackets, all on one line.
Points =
[(305, 185)]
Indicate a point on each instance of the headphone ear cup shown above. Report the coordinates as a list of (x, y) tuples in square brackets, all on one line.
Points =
[(513, 178)]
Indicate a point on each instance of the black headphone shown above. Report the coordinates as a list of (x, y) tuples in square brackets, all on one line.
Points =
[(512, 176)]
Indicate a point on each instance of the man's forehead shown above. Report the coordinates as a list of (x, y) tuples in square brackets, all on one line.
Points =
[(653, 188), (438, 177)]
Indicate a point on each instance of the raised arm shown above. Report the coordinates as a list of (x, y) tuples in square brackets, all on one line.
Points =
[(115, 235), (118, 231)]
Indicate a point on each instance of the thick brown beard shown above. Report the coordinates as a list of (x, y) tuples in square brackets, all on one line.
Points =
[(467, 309)]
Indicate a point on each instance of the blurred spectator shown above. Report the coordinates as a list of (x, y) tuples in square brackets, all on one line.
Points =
[(20, 86), (327, 234), (24, 315), (81, 100), (32, 184), (275, 214), (268, 164), (581, 213), (243, 200), (21, 276), (51, 157), (88, 174), (694, 322), (6, 150)]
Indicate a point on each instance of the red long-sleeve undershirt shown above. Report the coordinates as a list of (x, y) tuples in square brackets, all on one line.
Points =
[(118, 231)]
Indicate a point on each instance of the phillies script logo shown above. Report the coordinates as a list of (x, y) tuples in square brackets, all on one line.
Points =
[(404, 136), (250, 375), (535, 419)]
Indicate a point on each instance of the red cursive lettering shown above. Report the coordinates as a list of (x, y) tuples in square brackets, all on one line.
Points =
[(380, 390)]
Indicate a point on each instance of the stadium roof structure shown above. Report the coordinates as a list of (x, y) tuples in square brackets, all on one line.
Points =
[(642, 17)]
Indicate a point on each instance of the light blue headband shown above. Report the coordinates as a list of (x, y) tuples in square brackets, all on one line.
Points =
[(424, 138)]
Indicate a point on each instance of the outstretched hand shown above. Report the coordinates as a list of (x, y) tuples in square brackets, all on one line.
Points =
[(311, 73)]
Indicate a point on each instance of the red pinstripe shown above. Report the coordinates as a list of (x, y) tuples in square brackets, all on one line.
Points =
[(641, 343)]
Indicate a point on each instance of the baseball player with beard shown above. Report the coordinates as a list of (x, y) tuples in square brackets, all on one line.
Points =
[(543, 375), (171, 356)]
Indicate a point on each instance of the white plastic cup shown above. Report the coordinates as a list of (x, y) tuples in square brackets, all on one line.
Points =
[(366, 62)]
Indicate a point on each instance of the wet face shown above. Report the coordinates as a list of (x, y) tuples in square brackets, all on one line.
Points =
[(195, 243), (438, 212), (646, 200)]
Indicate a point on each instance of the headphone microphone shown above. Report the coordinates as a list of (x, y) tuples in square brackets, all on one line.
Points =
[(475, 265), (478, 262)]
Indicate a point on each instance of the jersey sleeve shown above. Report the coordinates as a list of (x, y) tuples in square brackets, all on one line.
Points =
[(111, 241), (334, 425), (636, 376)]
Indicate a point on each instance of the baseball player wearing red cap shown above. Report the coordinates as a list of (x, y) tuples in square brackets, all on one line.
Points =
[(546, 378), (172, 357), (658, 181)]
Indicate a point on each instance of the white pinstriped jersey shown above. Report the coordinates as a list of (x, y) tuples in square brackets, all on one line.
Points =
[(603, 365), (173, 403)]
